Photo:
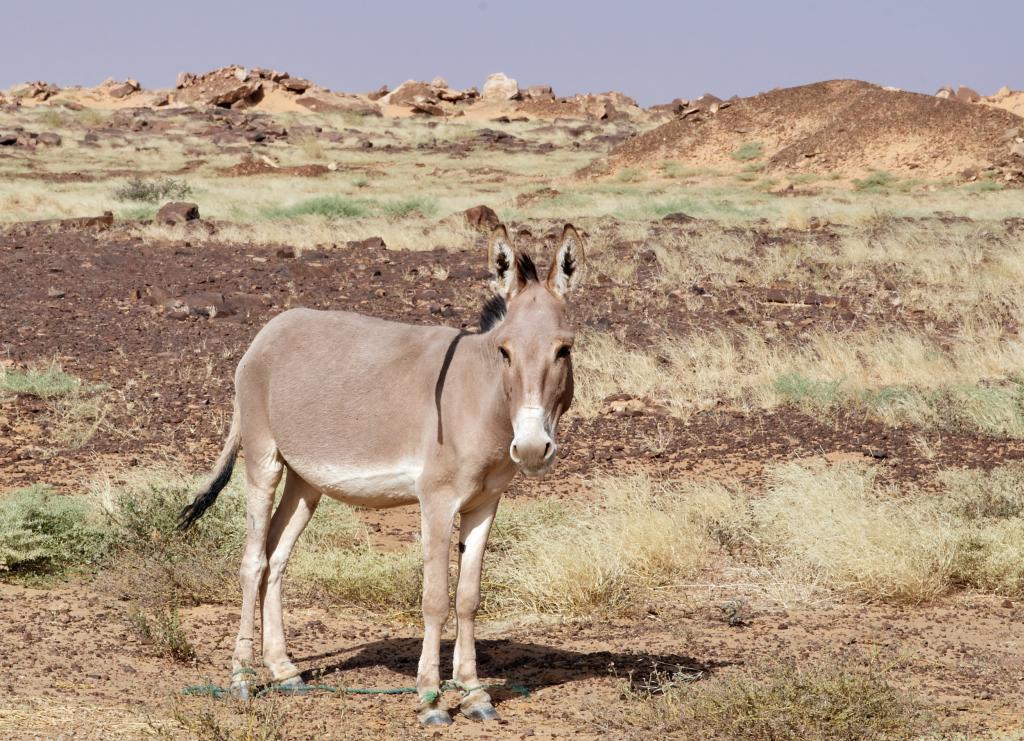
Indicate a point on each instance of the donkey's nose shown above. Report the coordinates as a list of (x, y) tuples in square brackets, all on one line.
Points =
[(532, 448), (532, 451)]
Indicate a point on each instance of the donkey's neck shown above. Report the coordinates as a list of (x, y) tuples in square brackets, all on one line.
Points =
[(475, 385)]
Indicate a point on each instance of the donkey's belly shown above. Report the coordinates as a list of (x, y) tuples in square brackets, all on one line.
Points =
[(388, 485)]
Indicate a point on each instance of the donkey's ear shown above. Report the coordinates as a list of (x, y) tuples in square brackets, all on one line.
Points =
[(501, 261), (567, 267)]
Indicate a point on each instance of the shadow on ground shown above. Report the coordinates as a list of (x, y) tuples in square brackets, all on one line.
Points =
[(529, 665)]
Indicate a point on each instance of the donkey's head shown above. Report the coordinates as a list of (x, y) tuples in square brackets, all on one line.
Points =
[(532, 338)]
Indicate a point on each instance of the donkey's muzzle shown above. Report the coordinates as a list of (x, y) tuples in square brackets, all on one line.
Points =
[(532, 450)]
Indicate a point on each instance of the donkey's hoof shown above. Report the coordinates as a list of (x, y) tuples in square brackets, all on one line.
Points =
[(292, 684), (434, 717), (240, 690), (481, 711)]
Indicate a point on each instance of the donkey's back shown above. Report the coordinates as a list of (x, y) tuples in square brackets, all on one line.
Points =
[(344, 399)]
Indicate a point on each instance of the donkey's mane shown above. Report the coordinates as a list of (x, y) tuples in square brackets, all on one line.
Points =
[(495, 308)]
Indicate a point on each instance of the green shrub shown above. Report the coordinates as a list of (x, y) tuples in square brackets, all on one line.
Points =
[(877, 182), (748, 151), (331, 207), (409, 207), (152, 191), (43, 382), (45, 534)]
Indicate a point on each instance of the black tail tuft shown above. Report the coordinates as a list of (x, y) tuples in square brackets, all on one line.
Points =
[(208, 496)]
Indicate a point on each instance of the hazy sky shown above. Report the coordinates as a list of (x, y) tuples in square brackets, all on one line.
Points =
[(654, 50)]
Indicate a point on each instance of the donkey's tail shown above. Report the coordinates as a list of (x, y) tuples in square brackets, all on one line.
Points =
[(219, 478)]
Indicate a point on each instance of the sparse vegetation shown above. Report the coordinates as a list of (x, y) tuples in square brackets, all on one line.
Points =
[(406, 207), (828, 699), (163, 632), (44, 534), (45, 382), (748, 151), (77, 410), (638, 535), (330, 207), (152, 191)]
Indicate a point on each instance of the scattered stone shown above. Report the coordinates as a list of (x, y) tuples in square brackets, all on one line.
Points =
[(49, 139), (539, 92), (370, 243), (428, 106), (296, 84), (124, 89), (966, 95), (177, 212), (228, 87), (407, 92), (207, 305), (500, 86), (482, 218), (55, 292), (678, 217), (325, 102)]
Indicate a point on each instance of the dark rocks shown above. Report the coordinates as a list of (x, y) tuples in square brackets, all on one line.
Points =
[(124, 89), (203, 305), (428, 106), (177, 212), (482, 218), (407, 93), (370, 243), (539, 92), (295, 84), (49, 226), (678, 217), (49, 139)]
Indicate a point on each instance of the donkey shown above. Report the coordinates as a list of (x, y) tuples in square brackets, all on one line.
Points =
[(379, 414)]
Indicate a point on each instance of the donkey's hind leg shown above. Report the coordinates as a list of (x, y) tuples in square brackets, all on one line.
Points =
[(263, 469), (298, 503)]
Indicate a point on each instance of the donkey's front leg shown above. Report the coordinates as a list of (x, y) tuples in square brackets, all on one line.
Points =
[(436, 531), (474, 528)]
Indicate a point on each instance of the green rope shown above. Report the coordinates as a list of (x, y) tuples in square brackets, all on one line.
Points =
[(213, 690)]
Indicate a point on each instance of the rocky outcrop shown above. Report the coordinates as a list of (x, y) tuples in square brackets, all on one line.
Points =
[(500, 86), (177, 212)]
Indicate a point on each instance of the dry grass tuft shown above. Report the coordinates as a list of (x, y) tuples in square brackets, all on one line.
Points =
[(77, 409), (836, 527), (637, 536), (829, 699)]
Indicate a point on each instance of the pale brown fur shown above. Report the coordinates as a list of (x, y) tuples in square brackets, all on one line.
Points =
[(378, 414)]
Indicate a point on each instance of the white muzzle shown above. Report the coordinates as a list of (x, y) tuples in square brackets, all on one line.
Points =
[(533, 448)]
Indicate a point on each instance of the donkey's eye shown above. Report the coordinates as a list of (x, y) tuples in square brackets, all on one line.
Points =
[(563, 352), (505, 356)]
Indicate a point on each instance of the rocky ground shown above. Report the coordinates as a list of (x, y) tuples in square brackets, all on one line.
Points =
[(152, 310)]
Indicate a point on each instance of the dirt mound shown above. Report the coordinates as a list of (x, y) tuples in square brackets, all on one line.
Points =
[(249, 167), (841, 126)]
